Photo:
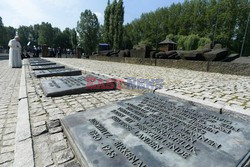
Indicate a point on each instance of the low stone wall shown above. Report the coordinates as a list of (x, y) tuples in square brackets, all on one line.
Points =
[(105, 58), (183, 64), (141, 61), (217, 67), (230, 68)]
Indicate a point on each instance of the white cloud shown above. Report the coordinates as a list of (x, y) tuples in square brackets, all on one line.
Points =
[(100, 17), (66, 4), (23, 12), (60, 13)]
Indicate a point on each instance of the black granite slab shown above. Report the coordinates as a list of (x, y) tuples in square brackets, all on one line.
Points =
[(47, 67), (76, 85), (57, 72), (37, 60), (42, 63), (158, 131)]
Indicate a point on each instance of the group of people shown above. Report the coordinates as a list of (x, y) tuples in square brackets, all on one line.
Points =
[(53, 52)]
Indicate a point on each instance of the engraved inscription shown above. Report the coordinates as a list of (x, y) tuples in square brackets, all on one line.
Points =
[(100, 127), (109, 151), (154, 130), (129, 155), (163, 125), (95, 135)]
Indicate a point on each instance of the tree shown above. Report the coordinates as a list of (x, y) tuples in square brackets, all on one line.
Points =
[(36, 33), (113, 24), (2, 33), (46, 34), (1, 21), (62, 39), (10, 33), (74, 40), (106, 26), (101, 34), (58, 38), (221, 20), (119, 16), (112, 21), (88, 28), (67, 38), (25, 34)]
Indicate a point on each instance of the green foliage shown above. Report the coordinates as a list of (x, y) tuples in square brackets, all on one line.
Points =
[(88, 29), (24, 32), (39, 34), (112, 21), (10, 34), (106, 27), (191, 42), (2, 33), (46, 34), (113, 24), (223, 21), (147, 43), (120, 15), (62, 39), (35, 34), (181, 41), (67, 38), (204, 41), (1, 22), (171, 37), (74, 40)]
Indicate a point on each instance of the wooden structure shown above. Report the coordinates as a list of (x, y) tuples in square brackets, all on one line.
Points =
[(167, 45)]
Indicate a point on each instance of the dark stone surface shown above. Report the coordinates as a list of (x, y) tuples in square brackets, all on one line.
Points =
[(37, 60), (157, 131), (76, 85), (57, 72), (193, 54), (216, 54), (42, 63), (48, 67)]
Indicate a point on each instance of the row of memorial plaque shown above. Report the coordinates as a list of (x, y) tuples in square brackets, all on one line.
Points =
[(147, 131), (73, 82)]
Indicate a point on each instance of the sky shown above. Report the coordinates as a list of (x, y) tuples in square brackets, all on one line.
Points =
[(66, 13)]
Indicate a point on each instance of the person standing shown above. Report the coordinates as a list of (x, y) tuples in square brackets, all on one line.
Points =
[(15, 60), (59, 52)]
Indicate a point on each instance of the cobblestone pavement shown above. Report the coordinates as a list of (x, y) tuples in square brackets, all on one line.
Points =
[(51, 147), (9, 91), (228, 90)]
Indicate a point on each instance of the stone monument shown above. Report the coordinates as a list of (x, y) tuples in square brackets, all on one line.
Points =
[(158, 131)]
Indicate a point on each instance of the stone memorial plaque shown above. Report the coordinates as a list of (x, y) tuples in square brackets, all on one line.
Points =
[(48, 67), (57, 72), (76, 85), (38, 60), (42, 63), (158, 131)]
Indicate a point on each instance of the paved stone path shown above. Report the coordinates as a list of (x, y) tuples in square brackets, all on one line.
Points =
[(217, 88), (51, 147), (9, 91)]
